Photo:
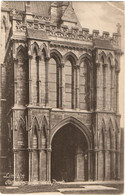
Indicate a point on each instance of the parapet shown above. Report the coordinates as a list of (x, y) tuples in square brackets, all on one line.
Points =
[(43, 23)]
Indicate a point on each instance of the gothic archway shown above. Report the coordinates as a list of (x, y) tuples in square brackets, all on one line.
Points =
[(70, 157)]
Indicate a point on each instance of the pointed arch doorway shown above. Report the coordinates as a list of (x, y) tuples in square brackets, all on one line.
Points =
[(69, 161)]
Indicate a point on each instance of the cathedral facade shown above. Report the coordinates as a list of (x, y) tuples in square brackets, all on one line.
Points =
[(59, 93)]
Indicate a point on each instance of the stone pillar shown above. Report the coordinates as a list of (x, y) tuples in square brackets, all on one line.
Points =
[(105, 95), (30, 81), (107, 165), (40, 164), (111, 90), (49, 164), (63, 84), (38, 80), (113, 160), (97, 85), (77, 86), (30, 164), (15, 80), (96, 165), (89, 165), (118, 164), (14, 167), (117, 91), (79, 167), (46, 81)]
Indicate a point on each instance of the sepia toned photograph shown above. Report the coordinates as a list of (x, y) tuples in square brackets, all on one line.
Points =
[(62, 97)]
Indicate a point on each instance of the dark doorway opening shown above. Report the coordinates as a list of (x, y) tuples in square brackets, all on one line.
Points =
[(69, 155)]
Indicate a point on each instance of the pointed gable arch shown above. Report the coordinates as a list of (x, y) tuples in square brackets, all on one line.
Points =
[(102, 56), (4, 23), (22, 135), (56, 55), (76, 123), (111, 59), (35, 123), (71, 57), (102, 134), (104, 124), (21, 122), (35, 47), (21, 53), (111, 125), (85, 57), (117, 128), (44, 124), (117, 66), (35, 133), (43, 48), (112, 133), (44, 133)]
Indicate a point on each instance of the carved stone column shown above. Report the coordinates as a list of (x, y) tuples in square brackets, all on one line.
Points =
[(97, 85), (112, 88), (96, 165), (47, 81), (38, 58), (89, 165), (77, 86), (30, 81), (49, 164), (14, 167), (40, 164), (63, 85), (117, 91), (30, 163), (15, 60)]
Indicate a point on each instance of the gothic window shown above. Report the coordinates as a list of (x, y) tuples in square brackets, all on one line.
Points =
[(110, 77), (54, 83), (85, 85), (21, 78), (43, 76), (35, 76), (104, 82), (69, 85), (117, 85)]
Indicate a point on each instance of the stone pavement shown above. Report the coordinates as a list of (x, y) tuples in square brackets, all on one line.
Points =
[(69, 188)]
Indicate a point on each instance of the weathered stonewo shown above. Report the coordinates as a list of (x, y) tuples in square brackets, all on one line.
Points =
[(55, 83)]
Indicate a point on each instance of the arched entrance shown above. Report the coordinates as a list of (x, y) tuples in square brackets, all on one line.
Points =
[(69, 160)]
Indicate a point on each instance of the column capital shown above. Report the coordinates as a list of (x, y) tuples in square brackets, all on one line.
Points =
[(77, 66), (97, 64), (30, 56), (15, 150), (62, 64), (47, 58), (38, 58), (30, 150), (15, 59), (105, 65), (49, 149)]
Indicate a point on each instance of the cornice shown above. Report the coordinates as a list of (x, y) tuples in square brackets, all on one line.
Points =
[(71, 45)]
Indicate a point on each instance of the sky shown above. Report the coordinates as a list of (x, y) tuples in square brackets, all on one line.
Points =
[(104, 16)]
